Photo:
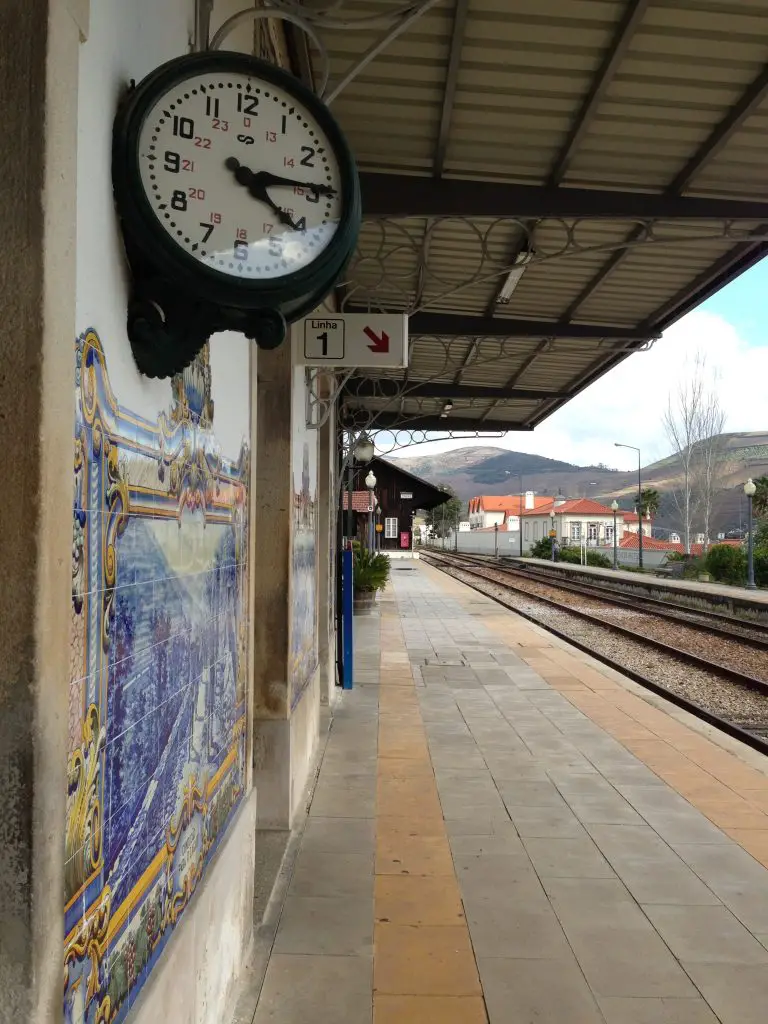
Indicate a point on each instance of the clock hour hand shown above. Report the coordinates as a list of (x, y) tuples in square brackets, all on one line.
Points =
[(260, 192), (245, 176), (266, 178)]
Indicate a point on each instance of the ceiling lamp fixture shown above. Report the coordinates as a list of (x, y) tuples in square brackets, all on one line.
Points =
[(513, 277)]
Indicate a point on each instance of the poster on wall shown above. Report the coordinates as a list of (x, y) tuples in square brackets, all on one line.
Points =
[(304, 650), (158, 676)]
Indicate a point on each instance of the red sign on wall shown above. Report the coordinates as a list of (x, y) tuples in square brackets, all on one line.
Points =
[(405, 539)]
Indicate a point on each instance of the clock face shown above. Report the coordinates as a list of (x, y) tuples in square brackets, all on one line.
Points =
[(240, 175)]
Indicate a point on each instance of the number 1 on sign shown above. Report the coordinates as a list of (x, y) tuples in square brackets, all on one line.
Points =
[(323, 338)]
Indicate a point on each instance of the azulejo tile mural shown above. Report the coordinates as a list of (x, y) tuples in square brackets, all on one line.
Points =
[(303, 632), (304, 655), (158, 677)]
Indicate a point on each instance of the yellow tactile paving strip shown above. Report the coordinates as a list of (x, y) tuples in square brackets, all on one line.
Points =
[(424, 969), (732, 794)]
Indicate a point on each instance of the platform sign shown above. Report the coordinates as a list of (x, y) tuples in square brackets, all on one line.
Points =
[(353, 339)]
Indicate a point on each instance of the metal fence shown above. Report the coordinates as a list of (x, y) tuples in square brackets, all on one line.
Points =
[(478, 542)]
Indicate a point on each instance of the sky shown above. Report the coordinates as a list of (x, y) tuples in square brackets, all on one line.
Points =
[(627, 404)]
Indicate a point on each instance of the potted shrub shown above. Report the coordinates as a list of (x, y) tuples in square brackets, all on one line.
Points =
[(370, 574)]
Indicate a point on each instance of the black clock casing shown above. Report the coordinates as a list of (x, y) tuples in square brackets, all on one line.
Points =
[(176, 301)]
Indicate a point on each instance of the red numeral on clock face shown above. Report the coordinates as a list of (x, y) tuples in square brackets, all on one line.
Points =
[(241, 235)]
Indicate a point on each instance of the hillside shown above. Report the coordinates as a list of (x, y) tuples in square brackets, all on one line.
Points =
[(491, 470), (487, 470)]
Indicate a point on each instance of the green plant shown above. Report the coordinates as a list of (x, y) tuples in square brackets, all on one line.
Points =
[(727, 564), (542, 548), (370, 570), (599, 560), (761, 566), (760, 500)]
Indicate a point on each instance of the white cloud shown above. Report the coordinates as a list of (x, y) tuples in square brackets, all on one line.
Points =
[(628, 403)]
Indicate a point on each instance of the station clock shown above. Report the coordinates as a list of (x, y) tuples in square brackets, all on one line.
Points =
[(239, 204)]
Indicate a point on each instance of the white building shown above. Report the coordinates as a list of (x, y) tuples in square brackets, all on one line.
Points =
[(632, 521), (574, 522), (489, 510)]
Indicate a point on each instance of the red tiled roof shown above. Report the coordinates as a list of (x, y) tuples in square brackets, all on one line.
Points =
[(509, 503), (632, 517), (576, 507), (632, 542)]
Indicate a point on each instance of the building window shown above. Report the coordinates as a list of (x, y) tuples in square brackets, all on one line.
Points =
[(592, 531), (390, 528), (526, 530), (575, 531), (535, 531), (609, 535)]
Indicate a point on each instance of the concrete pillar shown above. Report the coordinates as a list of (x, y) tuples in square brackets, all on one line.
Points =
[(39, 42), (271, 571)]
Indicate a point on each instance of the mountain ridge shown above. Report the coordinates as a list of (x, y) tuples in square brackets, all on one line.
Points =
[(487, 469)]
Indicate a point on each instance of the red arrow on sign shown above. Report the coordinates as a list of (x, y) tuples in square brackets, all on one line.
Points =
[(380, 344)]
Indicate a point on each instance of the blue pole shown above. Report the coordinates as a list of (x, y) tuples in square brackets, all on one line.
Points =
[(347, 618)]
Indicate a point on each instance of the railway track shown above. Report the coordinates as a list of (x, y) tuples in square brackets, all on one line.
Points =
[(687, 662), (715, 623)]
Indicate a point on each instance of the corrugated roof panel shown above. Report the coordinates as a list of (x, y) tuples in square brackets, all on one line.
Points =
[(525, 68)]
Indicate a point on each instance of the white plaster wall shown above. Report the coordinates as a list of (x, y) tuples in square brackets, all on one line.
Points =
[(195, 980), (192, 982), (305, 734), (128, 40)]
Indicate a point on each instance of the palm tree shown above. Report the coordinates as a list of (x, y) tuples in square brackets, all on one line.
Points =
[(650, 499), (760, 500)]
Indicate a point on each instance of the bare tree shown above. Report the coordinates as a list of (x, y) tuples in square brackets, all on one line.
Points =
[(710, 455), (694, 423), (681, 425)]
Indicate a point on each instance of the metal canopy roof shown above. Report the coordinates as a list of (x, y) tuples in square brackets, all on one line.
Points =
[(619, 146)]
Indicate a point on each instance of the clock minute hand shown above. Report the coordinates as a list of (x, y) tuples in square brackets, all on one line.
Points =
[(266, 178)]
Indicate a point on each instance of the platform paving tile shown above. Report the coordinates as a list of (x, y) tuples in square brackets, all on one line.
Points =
[(512, 836), (323, 989)]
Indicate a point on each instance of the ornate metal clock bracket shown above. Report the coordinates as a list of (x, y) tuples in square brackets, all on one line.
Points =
[(167, 328)]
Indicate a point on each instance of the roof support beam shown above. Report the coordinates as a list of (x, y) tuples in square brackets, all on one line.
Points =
[(457, 325), (449, 89), (406, 195), (750, 100), (394, 422), (389, 387), (512, 382), (614, 55), (733, 263)]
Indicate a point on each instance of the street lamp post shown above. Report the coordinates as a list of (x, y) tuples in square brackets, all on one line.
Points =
[(615, 509), (360, 450), (749, 490), (552, 534), (378, 524), (370, 483), (639, 501)]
